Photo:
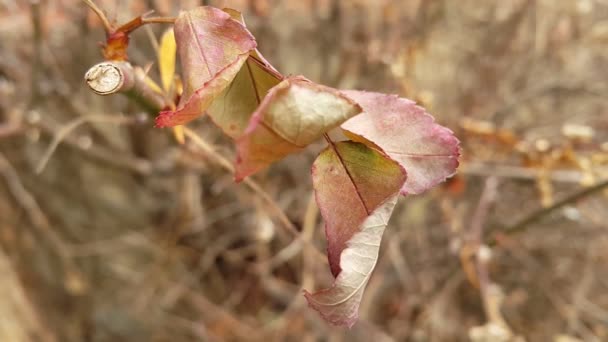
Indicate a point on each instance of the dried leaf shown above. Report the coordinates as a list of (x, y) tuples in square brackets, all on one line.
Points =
[(339, 304), (351, 180), (212, 49), (294, 114), (233, 108), (407, 133), (166, 59), (356, 189)]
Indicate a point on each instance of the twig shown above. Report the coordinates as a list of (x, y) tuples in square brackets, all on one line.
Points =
[(309, 223), (227, 165), (518, 172), (29, 204), (108, 78), (70, 126), (537, 215), (8, 130), (74, 279), (21, 317), (486, 200), (104, 19), (400, 264), (491, 294), (159, 20), (255, 187), (137, 165), (36, 60)]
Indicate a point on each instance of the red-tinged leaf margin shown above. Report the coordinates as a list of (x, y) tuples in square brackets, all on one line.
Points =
[(256, 55), (408, 134), (200, 92), (196, 104)]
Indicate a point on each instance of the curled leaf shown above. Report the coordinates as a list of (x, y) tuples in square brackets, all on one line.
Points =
[(212, 49), (407, 133), (356, 188), (233, 108), (339, 304), (350, 181), (293, 114)]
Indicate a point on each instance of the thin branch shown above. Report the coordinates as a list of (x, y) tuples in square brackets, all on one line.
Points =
[(70, 126), (487, 199), (159, 20), (227, 165), (29, 204), (75, 281), (108, 156), (36, 60), (143, 20), (537, 215), (255, 187), (102, 16), (108, 78), (518, 172), (491, 294), (8, 130)]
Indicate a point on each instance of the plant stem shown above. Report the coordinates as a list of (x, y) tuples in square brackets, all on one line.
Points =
[(227, 165), (108, 78), (104, 20), (159, 20), (537, 215)]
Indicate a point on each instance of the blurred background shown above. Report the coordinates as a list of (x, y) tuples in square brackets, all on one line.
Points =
[(125, 235)]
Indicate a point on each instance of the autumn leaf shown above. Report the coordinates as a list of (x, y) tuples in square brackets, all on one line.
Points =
[(293, 114), (356, 189), (233, 108), (167, 51), (166, 59), (407, 133), (339, 304), (351, 180), (212, 48)]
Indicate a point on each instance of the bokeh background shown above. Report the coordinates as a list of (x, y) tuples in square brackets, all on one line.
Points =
[(127, 236)]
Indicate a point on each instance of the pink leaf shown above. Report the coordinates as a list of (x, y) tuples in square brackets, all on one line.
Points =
[(356, 189), (407, 133), (212, 49), (293, 114)]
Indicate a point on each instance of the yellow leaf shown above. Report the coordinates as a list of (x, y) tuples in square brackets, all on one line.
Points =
[(166, 59), (178, 133), (153, 85)]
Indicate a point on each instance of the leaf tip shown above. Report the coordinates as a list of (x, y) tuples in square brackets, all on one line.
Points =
[(164, 119), (337, 320)]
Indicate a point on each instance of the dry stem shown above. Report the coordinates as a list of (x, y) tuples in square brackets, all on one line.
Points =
[(69, 127)]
